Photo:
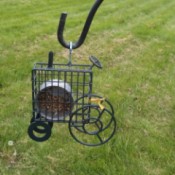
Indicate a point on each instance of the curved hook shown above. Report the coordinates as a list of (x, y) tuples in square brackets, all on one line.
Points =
[(84, 31)]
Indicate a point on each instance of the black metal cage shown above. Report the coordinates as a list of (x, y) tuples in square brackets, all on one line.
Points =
[(57, 91)]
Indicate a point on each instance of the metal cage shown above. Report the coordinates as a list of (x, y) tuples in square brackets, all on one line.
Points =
[(56, 91), (62, 93)]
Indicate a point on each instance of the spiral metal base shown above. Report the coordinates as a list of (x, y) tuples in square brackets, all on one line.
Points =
[(95, 127)]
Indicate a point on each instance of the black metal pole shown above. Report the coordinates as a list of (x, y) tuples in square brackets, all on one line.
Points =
[(84, 31), (50, 59)]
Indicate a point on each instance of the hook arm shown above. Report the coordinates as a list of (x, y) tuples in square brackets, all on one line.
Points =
[(84, 31)]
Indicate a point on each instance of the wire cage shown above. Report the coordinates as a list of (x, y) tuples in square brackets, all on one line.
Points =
[(57, 90), (62, 93)]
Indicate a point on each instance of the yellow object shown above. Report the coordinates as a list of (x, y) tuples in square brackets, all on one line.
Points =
[(99, 101)]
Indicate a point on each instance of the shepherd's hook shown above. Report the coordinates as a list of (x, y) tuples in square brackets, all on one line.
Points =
[(84, 31)]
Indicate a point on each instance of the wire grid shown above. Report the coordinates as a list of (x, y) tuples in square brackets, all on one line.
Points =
[(57, 92)]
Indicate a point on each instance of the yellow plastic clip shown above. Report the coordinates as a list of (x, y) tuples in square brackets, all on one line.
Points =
[(99, 101)]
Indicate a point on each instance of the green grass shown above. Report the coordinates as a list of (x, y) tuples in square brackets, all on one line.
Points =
[(134, 40)]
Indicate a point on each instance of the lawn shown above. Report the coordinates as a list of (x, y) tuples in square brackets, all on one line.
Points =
[(135, 42)]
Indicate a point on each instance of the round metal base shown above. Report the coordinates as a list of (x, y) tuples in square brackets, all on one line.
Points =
[(39, 136)]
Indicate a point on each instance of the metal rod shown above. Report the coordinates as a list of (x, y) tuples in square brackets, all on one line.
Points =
[(85, 30), (50, 59)]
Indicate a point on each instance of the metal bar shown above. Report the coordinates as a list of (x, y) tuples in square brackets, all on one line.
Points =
[(85, 30)]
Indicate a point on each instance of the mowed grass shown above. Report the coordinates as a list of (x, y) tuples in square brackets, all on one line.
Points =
[(135, 42)]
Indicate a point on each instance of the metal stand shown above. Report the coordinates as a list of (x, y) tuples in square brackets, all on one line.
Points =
[(62, 93)]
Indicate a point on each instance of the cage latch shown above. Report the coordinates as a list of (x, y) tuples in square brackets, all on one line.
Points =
[(99, 101)]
